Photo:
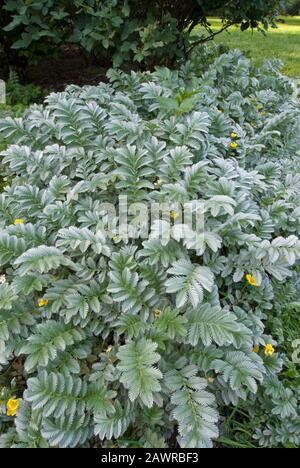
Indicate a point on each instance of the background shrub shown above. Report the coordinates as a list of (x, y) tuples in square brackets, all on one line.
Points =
[(130, 342), (293, 7), (129, 30)]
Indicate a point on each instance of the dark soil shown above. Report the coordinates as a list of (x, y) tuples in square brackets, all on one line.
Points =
[(70, 67)]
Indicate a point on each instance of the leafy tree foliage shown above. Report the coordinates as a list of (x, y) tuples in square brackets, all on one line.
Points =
[(292, 7), (138, 30)]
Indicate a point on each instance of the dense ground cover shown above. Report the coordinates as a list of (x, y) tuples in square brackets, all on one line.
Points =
[(182, 337)]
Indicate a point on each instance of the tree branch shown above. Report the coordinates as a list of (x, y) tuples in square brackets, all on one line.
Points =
[(209, 38)]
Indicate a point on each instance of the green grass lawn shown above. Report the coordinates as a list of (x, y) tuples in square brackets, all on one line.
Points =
[(283, 43)]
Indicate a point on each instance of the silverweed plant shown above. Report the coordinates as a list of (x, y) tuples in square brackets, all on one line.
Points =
[(113, 339)]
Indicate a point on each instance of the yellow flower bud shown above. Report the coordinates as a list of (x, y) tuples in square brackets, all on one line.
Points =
[(251, 280), (157, 313), (19, 221), (269, 350), (158, 183), (43, 302), (174, 215), (12, 406), (2, 279)]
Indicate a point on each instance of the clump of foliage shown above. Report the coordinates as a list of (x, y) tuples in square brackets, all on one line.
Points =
[(128, 341), (18, 98), (22, 95), (129, 30), (258, 418)]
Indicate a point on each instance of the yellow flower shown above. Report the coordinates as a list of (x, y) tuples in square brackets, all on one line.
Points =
[(158, 183), (255, 349), (157, 313), (233, 145), (251, 280), (115, 238), (269, 350), (19, 221), (12, 406), (234, 135), (43, 302), (109, 349), (173, 215)]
